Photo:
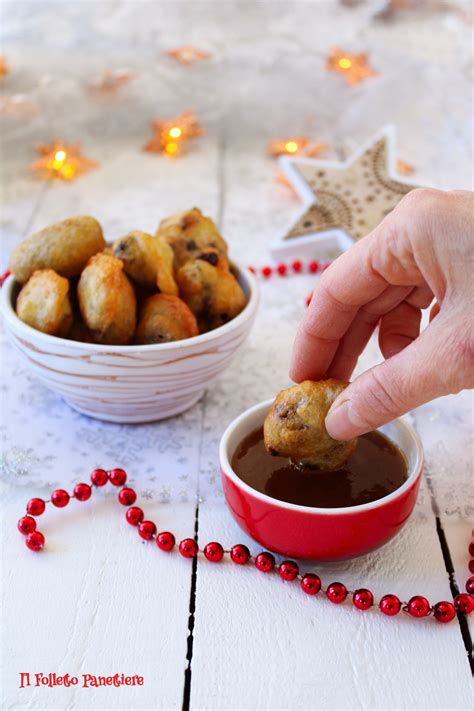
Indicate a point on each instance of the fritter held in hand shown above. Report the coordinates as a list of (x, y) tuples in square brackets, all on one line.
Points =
[(65, 247), (43, 303), (148, 260), (210, 290), (189, 233), (294, 426), (107, 301), (165, 318)]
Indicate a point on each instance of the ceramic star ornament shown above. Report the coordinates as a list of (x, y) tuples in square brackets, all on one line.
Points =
[(343, 200)]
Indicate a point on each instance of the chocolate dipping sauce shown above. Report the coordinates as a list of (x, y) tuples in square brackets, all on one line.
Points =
[(376, 468)]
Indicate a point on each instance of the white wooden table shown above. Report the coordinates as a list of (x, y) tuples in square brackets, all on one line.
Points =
[(97, 600)]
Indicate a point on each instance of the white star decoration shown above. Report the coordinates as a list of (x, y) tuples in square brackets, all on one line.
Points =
[(343, 200)]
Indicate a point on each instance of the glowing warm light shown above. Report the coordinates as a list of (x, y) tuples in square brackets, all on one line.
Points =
[(353, 67), (170, 136), (345, 63), (60, 161), (187, 54), (296, 145), (291, 146), (175, 132)]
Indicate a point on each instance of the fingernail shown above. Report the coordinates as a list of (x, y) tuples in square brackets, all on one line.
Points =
[(339, 422)]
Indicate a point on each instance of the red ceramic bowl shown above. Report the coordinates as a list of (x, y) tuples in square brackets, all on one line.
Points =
[(318, 533)]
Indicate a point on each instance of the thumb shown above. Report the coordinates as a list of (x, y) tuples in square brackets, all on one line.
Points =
[(435, 364)]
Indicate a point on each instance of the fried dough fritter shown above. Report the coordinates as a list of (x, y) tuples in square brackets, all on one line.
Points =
[(294, 426), (65, 247), (189, 233), (107, 301), (210, 290), (43, 303), (148, 260), (164, 318)]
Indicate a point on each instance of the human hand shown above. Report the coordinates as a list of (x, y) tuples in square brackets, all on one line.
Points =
[(422, 250)]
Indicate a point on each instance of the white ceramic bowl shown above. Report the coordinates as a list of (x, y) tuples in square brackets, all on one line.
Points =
[(130, 383)]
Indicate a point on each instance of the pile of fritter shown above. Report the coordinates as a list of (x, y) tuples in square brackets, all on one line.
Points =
[(140, 289)]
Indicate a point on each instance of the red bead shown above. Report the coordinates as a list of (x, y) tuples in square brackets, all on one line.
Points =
[(266, 272), (60, 498), (82, 492), (265, 562), (35, 541), (281, 269), (418, 606), (325, 266), (147, 530), (444, 611), (470, 585), (471, 565), (214, 552), (390, 605), (127, 496), (188, 548), (464, 603), (134, 516), (240, 554), (26, 525), (471, 548), (4, 276), (363, 599), (336, 593), (99, 477), (117, 477), (35, 507), (165, 541), (311, 583), (288, 570), (297, 266), (313, 266)]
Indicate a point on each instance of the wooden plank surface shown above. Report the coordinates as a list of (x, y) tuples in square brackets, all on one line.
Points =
[(99, 601)]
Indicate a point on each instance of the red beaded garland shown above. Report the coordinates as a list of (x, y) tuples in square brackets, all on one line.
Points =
[(60, 498), (464, 603), (147, 530), (470, 585), (363, 599), (336, 593), (297, 266), (444, 611), (313, 266), (165, 541), (188, 548), (266, 272), (117, 477), (134, 515), (26, 525), (239, 554), (35, 507), (99, 477), (288, 570), (390, 605), (35, 541), (311, 583), (127, 496), (214, 552), (82, 492), (418, 606), (325, 266), (281, 269), (265, 562)]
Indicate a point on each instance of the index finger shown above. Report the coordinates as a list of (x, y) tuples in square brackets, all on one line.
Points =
[(349, 283)]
